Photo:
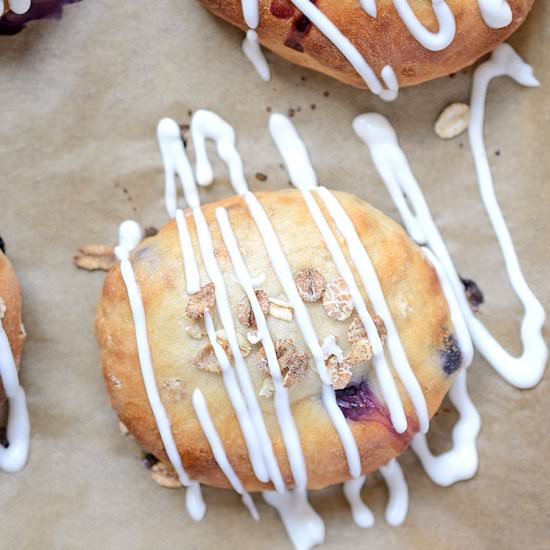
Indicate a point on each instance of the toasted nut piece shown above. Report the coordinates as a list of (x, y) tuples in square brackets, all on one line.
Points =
[(206, 359), (165, 476), (94, 263), (97, 250), (340, 373), (280, 309), (337, 300), (245, 313), (268, 389), (295, 365), (453, 121), (244, 346), (282, 346), (361, 352), (199, 302), (356, 330), (310, 284), (261, 361), (195, 331), (380, 326)]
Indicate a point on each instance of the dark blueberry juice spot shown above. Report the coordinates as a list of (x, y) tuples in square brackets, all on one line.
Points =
[(302, 24), (2, 245), (12, 23), (300, 27), (473, 293), (281, 9), (357, 401), (450, 354), (149, 460)]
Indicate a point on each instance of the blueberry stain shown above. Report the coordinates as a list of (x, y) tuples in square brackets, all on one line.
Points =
[(357, 401), (450, 355)]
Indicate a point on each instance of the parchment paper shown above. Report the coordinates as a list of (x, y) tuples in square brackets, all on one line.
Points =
[(80, 101)]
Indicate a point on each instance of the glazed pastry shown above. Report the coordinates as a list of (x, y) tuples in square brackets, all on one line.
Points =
[(375, 44), (183, 357), (17, 13), (12, 338)]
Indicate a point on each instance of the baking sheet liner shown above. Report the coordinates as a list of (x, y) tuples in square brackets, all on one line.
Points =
[(80, 101)]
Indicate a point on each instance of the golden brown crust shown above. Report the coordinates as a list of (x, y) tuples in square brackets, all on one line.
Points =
[(412, 291), (10, 293), (382, 41)]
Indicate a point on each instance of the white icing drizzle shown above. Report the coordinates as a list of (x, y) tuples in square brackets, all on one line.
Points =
[(129, 236), (310, 523), (303, 525), (192, 275), (235, 396), (385, 378), (526, 370), (372, 286), (497, 14), (349, 51), (282, 404), (362, 515), (251, 43), (462, 460), (260, 448), (251, 13), (434, 41), (208, 125), (297, 160), (19, 6), (211, 434), (253, 51), (398, 502), (14, 457), (369, 6)]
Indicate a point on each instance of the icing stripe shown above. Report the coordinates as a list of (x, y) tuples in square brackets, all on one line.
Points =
[(348, 50), (383, 372), (462, 460), (253, 51), (297, 160), (211, 434), (398, 503), (360, 511), (192, 275), (14, 457), (235, 396), (207, 125), (129, 236), (261, 451), (526, 370), (434, 41), (282, 404)]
